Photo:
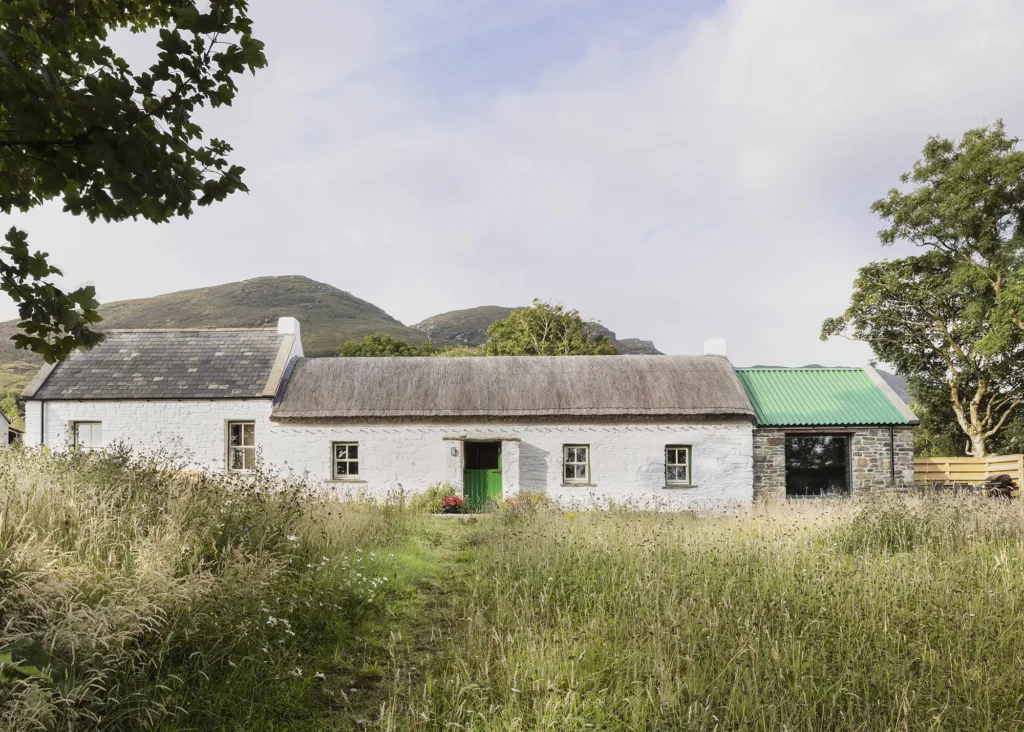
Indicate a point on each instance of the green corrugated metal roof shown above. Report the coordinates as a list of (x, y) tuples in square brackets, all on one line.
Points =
[(793, 397)]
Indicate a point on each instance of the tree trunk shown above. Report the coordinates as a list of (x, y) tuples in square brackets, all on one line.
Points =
[(978, 446)]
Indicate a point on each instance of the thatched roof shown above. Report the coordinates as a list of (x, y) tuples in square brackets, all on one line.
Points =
[(512, 388)]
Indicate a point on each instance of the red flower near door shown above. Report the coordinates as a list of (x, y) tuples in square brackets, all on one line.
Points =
[(452, 504)]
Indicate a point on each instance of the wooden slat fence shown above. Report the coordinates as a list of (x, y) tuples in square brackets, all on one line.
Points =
[(968, 469)]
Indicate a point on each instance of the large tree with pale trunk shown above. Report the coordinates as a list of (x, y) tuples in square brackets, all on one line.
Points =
[(953, 318), (919, 317)]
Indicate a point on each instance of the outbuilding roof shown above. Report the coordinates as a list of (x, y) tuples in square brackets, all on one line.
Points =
[(822, 397), (170, 364), (512, 387)]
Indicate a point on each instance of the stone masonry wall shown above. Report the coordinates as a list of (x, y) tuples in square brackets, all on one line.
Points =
[(769, 464), (869, 452)]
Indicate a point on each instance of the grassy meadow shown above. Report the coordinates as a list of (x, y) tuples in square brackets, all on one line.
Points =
[(136, 597)]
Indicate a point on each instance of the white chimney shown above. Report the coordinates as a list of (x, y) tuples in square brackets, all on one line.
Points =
[(287, 326), (290, 326), (715, 347)]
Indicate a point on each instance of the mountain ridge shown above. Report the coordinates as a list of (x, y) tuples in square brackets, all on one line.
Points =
[(329, 316)]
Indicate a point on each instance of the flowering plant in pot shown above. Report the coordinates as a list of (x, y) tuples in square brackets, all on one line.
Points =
[(452, 504)]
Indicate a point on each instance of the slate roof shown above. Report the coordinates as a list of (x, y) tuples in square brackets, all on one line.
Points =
[(812, 397), (170, 364), (511, 387)]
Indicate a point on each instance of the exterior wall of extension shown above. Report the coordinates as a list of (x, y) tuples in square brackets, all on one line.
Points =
[(627, 460), (870, 464)]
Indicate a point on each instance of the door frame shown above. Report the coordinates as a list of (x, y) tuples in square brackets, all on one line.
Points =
[(501, 462)]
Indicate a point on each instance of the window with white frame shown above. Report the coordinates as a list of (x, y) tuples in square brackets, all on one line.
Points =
[(87, 435), (677, 464), (346, 460), (241, 445), (576, 463)]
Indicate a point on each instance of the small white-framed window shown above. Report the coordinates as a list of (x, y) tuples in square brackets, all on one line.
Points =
[(576, 463), (345, 460), (241, 446), (87, 435), (677, 464)]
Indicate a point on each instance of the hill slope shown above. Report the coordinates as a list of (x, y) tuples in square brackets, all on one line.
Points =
[(329, 317), (470, 327)]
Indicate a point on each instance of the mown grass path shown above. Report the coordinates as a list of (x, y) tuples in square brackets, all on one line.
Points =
[(431, 569)]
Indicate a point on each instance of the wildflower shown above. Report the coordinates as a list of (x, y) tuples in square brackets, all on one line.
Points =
[(320, 676), (293, 537), (297, 672)]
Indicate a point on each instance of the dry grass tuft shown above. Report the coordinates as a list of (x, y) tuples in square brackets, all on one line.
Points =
[(132, 596)]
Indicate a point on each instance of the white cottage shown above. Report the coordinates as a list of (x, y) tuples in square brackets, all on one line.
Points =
[(649, 430)]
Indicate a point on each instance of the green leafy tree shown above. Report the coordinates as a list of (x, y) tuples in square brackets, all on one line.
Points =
[(966, 200), (931, 325), (12, 408), (384, 345), (78, 124), (544, 329)]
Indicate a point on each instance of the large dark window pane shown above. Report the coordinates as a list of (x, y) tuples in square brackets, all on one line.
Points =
[(817, 465)]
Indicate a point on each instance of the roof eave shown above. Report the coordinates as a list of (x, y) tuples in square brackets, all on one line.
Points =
[(429, 415), (831, 425)]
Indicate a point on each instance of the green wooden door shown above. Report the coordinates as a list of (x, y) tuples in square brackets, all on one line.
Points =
[(480, 487), (482, 474)]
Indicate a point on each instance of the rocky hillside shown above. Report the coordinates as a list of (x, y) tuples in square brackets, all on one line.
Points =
[(470, 327), (329, 317)]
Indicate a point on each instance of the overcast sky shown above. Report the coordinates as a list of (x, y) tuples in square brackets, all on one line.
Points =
[(676, 170)]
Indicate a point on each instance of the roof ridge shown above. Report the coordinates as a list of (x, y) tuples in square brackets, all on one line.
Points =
[(799, 368), (272, 329)]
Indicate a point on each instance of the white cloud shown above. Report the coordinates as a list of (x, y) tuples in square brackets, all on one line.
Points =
[(710, 179)]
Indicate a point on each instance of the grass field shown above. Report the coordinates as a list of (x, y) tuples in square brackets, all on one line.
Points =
[(136, 598)]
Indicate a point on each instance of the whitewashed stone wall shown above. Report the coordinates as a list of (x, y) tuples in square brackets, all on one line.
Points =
[(627, 460), (193, 430)]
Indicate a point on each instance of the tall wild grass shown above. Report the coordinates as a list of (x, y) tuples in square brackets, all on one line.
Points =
[(888, 613), (136, 596)]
